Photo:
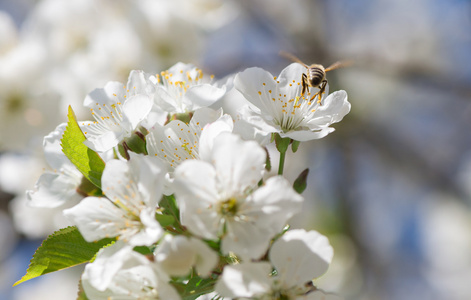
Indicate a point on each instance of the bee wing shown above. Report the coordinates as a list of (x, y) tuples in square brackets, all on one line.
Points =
[(339, 64), (292, 57)]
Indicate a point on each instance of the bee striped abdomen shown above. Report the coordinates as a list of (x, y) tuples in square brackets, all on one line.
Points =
[(316, 75)]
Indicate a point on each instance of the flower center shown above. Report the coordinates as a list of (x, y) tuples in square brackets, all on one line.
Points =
[(228, 207), (177, 82), (287, 106)]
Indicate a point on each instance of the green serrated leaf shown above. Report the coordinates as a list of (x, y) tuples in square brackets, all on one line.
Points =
[(85, 159), (282, 144), (113, 240), (300, 183), (63, 249), (197, 286)]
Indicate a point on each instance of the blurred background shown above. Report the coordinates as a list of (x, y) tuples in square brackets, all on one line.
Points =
[(391, 187)]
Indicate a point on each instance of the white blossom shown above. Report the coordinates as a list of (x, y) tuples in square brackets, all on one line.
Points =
[(177, 141), (220, 197), (59, 184), (133, 189), (280, 108), (19, 172), (297, 257), (178, 254), (184, 88), (118, 272), (118, 111)]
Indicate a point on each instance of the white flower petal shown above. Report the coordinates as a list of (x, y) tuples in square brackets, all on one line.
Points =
[(54, 189), (256, 129), (335, 107), (206, 259), (175, 255), (150, 173), (177, 141), (108, 261), (138, 83), (278, 202), (292, 72), (104, 141), (155, 116), (196, 191), (205, 94), (282, 109), (119, 183), (136, 109), (251, 82), (173, 143), (178, 254), (246, 240), (53, 149), (96, 218), (209, 133), (117, 112), (239, 164), (150, 232), (121, 273), (244, 280), (184, 88), (265, 213), (203, 116), (112, 93), (59, 185), (300, 256)]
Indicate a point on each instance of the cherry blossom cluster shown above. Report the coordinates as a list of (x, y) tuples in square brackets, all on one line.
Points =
[(192, 186)]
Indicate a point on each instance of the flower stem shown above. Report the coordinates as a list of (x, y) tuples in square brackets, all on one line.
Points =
[(282, 163)]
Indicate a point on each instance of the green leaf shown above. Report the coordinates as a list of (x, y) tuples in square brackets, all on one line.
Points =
[(86, 188), (184, 117), (137, 143), (85, 159), (300, 183), (169, 218), (295, 145), (282, 144), (197, 286), (63, 249), (165, 220), (267, 161), (144, 250), (169, 206)]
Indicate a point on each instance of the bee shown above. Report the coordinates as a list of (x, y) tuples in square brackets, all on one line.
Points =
[(315, 75)]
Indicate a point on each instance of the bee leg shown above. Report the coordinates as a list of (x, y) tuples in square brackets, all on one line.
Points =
[(304, 83), (316, 94), (321, 90)]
